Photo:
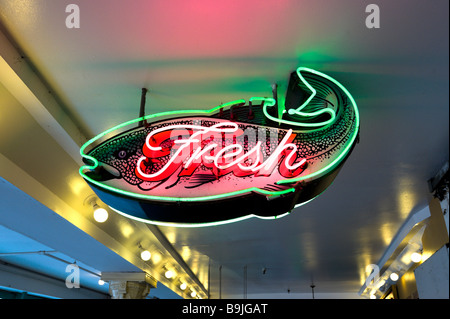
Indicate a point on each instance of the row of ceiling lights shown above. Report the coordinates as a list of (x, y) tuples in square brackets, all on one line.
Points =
[(403, 255), (394, 276), (169, 273), (405, 260), (101, 216), (415, 258)]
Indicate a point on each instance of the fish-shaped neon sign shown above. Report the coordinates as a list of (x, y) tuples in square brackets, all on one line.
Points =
[(238, 160)]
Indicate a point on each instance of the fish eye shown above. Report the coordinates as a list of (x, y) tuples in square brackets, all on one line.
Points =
[(122, 154)]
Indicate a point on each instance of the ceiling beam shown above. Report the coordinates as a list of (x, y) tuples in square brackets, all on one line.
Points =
[(24, 84), (29, 89)]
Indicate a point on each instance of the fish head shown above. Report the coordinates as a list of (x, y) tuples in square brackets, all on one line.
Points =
[(116, 158)]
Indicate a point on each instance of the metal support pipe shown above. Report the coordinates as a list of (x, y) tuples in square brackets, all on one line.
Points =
[(209, 278), (45, 253), (245, 282), (275, 94), (16, 253), (220, 282), (142, 107)]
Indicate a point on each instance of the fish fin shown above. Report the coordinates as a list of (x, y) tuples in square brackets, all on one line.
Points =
[(199, 179), (146, 186), (275, 188)]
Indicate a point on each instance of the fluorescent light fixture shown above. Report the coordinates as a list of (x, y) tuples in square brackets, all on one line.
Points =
[(394, 276), (146, 255), (100, 214), (416, 257), (169, 274)]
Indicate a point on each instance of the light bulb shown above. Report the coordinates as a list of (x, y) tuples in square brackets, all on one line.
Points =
[(100, 214), (416, 257), (169, 274), (146, 255), (394, 276), (183, 286), (101, 282), (193, 294)]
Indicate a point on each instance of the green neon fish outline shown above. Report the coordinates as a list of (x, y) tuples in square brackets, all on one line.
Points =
[(266, 103)]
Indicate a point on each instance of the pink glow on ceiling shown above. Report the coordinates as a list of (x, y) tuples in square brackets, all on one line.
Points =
[(192, 29), (211, 28)]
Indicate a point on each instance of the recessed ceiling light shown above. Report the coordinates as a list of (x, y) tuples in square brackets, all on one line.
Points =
[(146, 255)]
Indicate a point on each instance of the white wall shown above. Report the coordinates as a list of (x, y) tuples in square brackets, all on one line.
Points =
[(432, 276)]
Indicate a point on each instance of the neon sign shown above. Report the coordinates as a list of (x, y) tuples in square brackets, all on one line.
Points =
[(235, 161)]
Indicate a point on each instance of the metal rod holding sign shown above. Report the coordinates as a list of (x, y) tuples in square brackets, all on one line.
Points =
[(142, 106)]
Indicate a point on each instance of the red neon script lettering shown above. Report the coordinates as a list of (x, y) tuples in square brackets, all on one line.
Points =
[(189, 146)]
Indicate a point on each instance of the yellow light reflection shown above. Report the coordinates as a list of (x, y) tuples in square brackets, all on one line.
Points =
[(26, 13), (77, 184), (309, 248), (126, 230), (387, 233), (156, 257), (406, 198), (406, 201), (363, 261), (186, 253), (365, 257), (171, 236)]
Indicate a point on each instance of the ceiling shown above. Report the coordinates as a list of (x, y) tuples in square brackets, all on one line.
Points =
[(196, 55)]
